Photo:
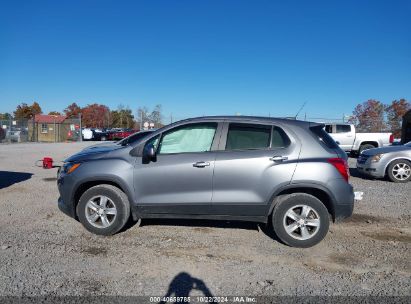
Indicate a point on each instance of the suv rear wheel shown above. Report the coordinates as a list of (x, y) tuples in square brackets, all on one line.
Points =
[(103, 209), (300, 220)]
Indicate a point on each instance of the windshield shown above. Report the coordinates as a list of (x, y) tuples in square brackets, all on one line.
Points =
[(408, 144), (133, 138)]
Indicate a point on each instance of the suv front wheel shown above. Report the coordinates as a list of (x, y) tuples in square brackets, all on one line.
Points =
[(300, 220), (103, 209)]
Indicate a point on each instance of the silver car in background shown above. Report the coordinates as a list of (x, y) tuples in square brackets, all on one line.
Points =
[(394, 162)]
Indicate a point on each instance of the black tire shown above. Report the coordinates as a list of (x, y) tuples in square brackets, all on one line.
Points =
[(320, 214), (366, 147), (116, 197), (392, 166)]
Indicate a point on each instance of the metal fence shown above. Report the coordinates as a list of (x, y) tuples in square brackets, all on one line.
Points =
[(29, 130), (14, 130)]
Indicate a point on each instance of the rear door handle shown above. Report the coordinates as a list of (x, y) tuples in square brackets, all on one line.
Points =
[(201, 164), (278, 158)]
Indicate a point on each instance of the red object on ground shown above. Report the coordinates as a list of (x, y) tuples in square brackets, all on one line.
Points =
[(47, 163)]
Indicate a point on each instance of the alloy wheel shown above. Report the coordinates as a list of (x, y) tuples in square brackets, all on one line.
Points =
[(401, 171), (301, 222), (101, 211)]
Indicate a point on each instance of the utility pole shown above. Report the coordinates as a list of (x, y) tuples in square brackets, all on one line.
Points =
[(33, 138), (171, 118), (81, 131), (141, 120)]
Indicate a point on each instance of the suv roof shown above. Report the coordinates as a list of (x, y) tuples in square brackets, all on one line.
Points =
[(251, 118)]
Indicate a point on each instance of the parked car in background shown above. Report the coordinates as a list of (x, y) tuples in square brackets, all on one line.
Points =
[(95, 134), (393, 162), (17, 135), (288, 173), (118, 134), (124, 142), (349, 140), (100, 134)]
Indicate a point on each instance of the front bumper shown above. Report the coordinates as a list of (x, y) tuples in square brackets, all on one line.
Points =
[(67, 209), (370, 169), (65, 202)]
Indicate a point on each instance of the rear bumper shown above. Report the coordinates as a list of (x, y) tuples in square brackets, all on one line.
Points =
[(343, 211), (343, 194)]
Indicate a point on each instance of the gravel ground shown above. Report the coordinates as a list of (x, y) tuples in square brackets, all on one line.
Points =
[(44, 252)]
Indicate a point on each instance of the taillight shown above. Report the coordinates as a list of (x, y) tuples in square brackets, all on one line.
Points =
[(391, 138), (342, 166)]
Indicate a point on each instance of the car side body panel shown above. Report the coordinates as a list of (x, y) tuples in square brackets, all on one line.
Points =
[(235, 184), (244, 180)]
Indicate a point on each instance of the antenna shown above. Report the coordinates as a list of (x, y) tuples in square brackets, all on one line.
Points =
[(296, 115)]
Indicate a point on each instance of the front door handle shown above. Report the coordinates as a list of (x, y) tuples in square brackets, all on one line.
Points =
[(201, 164), (278, 158)]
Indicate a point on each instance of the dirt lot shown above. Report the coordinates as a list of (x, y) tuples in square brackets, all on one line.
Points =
[(45, 252)]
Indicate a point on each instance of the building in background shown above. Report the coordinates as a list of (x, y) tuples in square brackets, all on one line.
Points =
[(53, 128)]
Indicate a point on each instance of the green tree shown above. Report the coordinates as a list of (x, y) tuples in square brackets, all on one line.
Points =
[(54, 113), (5, 116), (122, 117)]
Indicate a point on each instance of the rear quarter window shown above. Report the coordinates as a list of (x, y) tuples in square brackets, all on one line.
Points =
[(323, 136), (279, 139)]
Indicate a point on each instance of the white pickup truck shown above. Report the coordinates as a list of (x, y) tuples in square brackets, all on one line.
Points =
[(350, 141)]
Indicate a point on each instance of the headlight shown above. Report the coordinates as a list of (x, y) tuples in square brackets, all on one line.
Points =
[(376, 158), (70, 167)]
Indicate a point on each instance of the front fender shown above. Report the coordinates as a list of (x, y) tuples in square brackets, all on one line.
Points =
[(113, 171)]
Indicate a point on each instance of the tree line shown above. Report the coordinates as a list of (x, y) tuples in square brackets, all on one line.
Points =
[(369, 116), (374, 116), (95, 115)]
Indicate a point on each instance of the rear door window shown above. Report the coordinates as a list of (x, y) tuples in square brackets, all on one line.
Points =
[(343, 128), (248, 136)]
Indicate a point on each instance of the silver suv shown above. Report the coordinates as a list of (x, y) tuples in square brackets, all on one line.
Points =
[(288, 173)]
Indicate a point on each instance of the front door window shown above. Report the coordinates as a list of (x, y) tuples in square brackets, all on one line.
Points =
[(188, 138)]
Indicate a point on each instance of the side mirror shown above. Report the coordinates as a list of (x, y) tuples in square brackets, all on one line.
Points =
[(149, 154)]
